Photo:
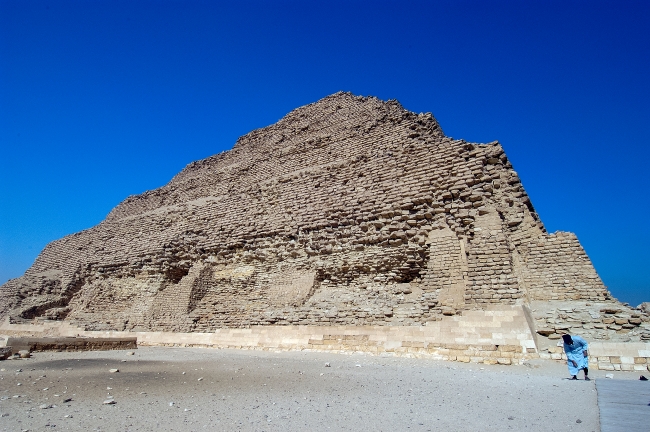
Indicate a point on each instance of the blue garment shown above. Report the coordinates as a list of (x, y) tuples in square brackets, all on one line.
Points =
[(575, 352)]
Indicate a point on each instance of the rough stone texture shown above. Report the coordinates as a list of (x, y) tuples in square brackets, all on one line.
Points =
[(71, 344), (596, 321), (349, 211), (499, 334), (5, 352)]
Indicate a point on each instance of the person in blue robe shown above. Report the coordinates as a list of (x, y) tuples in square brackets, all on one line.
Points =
[(576, 350)]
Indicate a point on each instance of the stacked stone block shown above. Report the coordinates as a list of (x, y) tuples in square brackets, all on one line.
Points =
[(498, 335), (598, 321)]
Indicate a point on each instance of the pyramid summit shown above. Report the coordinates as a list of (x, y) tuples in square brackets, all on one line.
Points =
[(350, 212)]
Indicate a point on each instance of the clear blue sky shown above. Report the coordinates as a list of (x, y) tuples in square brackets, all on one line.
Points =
[(104, 99)]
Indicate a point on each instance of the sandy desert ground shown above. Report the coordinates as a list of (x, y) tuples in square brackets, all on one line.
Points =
[(192, 389)]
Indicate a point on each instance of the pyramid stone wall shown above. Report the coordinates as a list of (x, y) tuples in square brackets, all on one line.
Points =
[(350, 211)]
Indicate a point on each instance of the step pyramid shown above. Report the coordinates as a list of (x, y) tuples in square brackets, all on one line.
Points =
[(350, 211)]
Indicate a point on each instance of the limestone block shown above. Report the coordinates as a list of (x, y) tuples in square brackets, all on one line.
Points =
[(605, 366)]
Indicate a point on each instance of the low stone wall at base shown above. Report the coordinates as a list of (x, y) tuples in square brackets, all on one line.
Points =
[(624, 356), (17, 344), (500, 335), (398, 341), (610, 356)]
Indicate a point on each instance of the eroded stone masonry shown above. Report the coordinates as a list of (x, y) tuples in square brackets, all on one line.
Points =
[(348, 211)]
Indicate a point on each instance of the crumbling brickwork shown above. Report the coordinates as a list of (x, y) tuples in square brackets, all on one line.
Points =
[(348, 211)]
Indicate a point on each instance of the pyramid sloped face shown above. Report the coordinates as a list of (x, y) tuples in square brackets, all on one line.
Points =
[(350, 211)]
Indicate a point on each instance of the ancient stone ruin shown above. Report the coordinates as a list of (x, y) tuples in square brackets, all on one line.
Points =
[(350, 212)]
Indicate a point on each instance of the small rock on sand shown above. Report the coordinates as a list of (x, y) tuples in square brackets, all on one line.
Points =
[(109, 402), (113, 370)]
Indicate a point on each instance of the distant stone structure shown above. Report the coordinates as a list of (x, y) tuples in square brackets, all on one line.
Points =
[(351, 212)]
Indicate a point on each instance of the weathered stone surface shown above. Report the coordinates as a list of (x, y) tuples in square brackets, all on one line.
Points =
[(36, 344), (545, 331), (348, 211), (5, 352)]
